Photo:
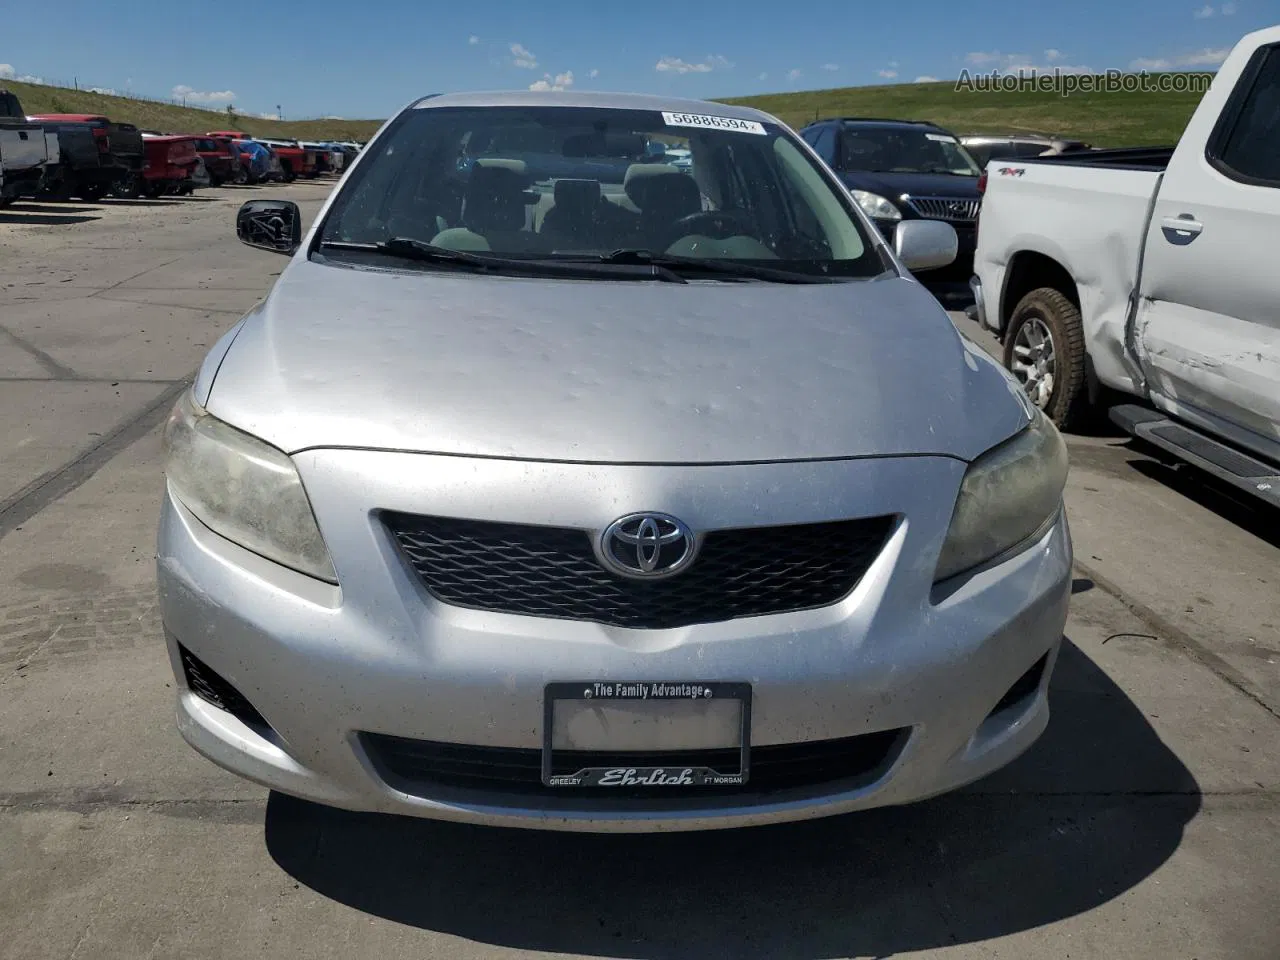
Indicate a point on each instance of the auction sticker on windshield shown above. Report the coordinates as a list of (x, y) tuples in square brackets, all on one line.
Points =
[(712, 123), (645, 734)]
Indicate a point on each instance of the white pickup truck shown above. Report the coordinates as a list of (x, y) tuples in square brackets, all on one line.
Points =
[(27, 152), (1154, 274)]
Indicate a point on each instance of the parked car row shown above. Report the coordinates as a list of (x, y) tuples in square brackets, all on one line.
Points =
[(88, 156)]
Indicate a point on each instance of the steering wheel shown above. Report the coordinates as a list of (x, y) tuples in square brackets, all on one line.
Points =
[(717, 224)]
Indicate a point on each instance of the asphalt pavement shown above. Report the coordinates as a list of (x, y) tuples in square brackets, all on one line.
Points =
[(1144, 824)]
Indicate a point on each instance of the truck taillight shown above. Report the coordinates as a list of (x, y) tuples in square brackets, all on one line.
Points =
[(982, 183)]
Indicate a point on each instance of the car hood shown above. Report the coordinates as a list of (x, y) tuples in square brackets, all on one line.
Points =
[(609, 371), (893, 185)]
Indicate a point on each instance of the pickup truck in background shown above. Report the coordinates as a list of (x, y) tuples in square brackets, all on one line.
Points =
[(28, 152), (119, 150), (1152, 274)]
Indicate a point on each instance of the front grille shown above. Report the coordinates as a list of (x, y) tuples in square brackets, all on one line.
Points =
[(945, 208), (553, 571), (209, 686), (410, 765)]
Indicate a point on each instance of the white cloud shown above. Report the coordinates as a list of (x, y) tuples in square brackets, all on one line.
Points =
[(676, 65), (893, 64), (561, 81), (28, 78), (794, 75), (107, 91), (927, 79), (473, 40), (1207, 57), (1205, 12), (183, 92), (593, 74), (269, 116), (831, 67), (522, 56), (764, 76), (1014, 63), (1228, 9), (6, 71), (887, 74)]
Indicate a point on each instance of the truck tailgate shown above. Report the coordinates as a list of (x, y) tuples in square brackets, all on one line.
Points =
[(22, 146), (126, 145)]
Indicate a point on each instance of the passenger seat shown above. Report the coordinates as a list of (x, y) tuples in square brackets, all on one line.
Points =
[(493, 211)]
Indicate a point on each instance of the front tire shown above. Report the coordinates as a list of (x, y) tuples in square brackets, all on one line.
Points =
[(1044, 349), (91, 192)]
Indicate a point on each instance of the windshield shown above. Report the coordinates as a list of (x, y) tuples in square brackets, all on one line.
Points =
[(586, 182), (905, 150)]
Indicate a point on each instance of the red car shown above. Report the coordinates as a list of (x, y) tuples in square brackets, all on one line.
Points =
[(170, 163), (221, 159)]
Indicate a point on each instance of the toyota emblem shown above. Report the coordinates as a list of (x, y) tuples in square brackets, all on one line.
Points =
[(647, 545)]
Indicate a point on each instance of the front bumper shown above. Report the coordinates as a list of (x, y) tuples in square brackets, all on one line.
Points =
[(979, 300), (325, 666)]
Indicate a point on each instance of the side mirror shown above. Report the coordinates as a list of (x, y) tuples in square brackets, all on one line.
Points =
[(925, 244), (270, 225)]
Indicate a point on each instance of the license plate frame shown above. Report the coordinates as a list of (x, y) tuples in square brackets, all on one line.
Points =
[(655, 778)]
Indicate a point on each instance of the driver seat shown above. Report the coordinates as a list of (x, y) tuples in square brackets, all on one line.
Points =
[(663, 195)]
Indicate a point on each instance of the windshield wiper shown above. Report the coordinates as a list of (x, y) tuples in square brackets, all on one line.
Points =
[(728, 268), (411, 249)]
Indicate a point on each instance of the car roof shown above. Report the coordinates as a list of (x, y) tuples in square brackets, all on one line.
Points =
[(70, 117), (586, 98), (886, 122)]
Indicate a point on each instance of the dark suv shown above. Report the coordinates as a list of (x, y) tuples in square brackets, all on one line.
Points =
[(906, 170)]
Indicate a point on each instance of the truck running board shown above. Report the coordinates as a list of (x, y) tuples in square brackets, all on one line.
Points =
[(1212, 456)]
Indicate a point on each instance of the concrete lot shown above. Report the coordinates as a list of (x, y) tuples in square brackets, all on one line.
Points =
[(1145, 824)]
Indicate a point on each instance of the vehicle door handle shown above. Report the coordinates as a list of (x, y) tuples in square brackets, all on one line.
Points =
[(1181, 229)]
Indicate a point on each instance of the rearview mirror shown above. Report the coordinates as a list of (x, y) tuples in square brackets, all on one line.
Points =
[(270, 225), (925, 244)]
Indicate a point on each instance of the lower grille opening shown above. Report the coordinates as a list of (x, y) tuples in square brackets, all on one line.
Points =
[(1023, 688), (409, 765), (210, 687)]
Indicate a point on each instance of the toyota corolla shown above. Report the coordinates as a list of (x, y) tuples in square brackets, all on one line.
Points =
[(556, 486)]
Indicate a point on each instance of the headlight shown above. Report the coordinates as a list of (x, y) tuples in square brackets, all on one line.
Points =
[(1008, 495), (874, 205), (243, 489)]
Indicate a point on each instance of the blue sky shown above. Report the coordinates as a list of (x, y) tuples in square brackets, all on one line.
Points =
[(365, 60)]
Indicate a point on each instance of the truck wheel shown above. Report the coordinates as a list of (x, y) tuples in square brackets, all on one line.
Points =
[(1044, 349), (128, 187), (92, 192)]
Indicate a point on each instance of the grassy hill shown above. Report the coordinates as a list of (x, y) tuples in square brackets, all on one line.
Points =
[(172, 118), (1103, 119)]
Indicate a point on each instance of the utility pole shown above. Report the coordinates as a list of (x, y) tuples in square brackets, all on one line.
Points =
[(279, 112)]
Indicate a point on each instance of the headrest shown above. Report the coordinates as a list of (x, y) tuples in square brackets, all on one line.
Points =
[(495, 198), (502, 163), (663, 189), (579, 194)]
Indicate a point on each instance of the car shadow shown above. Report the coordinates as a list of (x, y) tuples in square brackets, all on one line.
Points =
[(1095, 807), (49, 205), (20, 216), (139, 202), (1250, 514)]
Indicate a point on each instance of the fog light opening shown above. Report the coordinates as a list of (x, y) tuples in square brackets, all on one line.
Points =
[(1023, 689), (213, 689)]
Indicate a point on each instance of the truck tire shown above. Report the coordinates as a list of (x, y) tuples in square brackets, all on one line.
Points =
[(1044, 349), (91, 192)]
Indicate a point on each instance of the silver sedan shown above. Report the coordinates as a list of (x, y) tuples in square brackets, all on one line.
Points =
[(557, 486)]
